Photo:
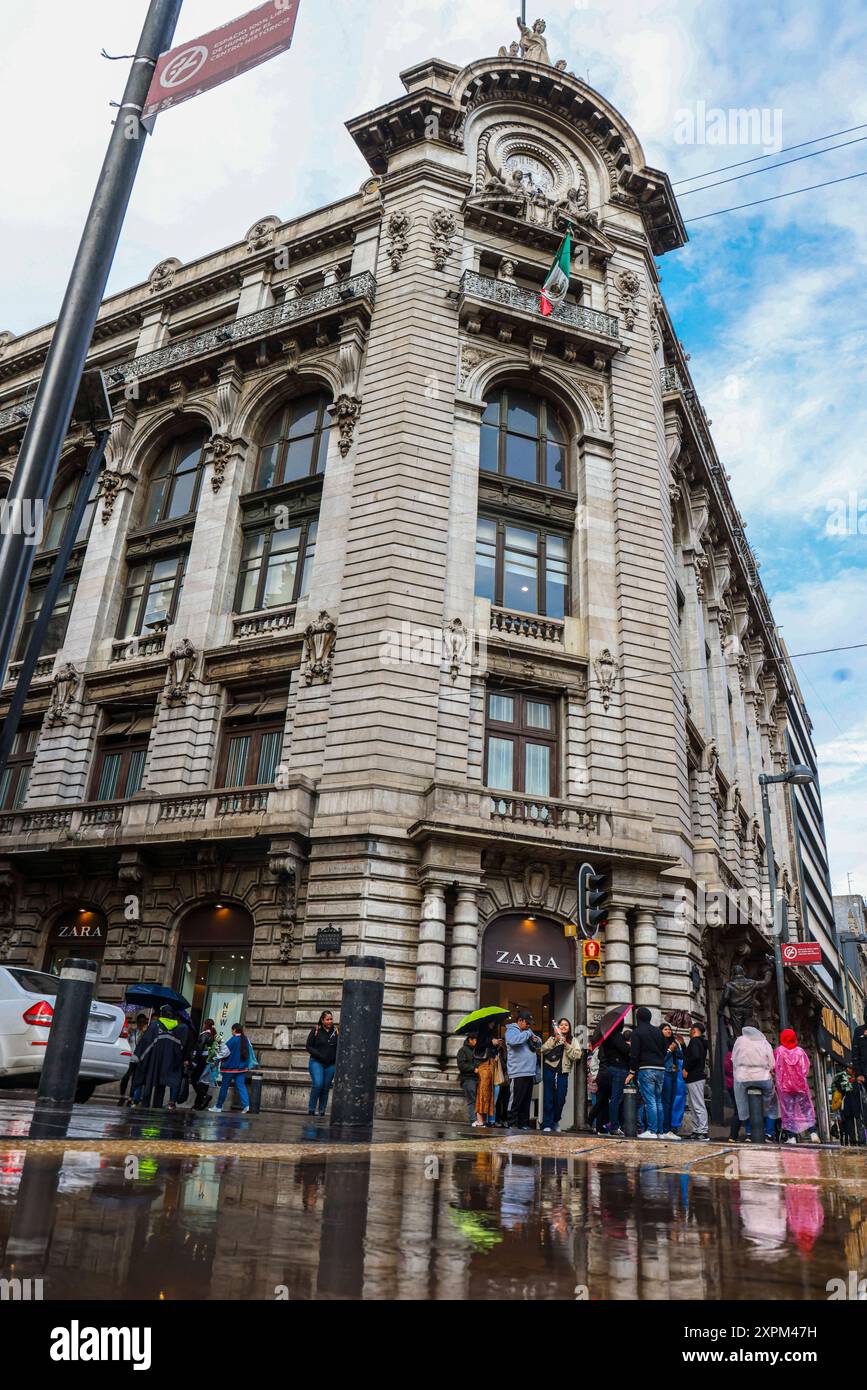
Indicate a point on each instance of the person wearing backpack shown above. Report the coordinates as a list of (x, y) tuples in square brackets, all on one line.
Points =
[(236, 1059), (791, 1069)]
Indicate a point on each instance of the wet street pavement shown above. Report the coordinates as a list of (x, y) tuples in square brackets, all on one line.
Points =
[(159, 1206)]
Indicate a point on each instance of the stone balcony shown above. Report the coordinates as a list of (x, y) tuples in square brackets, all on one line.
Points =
[(509, 311), (490, 817), (148, 818), (43, 671)]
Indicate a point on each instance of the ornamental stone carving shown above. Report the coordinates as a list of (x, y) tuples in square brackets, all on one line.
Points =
[(457, 644), (443, 225), (182, 659), (112, 482), (285, 868), (220, 446), (5, 339), (472, 357), (262, 234), (532, 46), (605, 667), (346, 410), (397, 237), (63, 690), (7, 895), (162, 277), (319, 639), (629, 289)]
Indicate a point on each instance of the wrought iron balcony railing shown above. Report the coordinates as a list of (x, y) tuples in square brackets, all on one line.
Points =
[(509, 296)]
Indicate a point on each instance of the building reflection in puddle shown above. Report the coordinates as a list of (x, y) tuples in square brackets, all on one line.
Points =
[(409, 1226)]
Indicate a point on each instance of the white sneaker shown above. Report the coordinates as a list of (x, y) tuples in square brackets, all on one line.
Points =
[(793, 1140), (814, 1138), (246, 1110), (670, 1135), (648, 1134), (556, 1129), (215, 1109), (477, 1124)]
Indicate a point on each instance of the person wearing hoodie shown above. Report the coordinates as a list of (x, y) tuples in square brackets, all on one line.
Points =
[(321, 1045), (647, 1053), (791, 1069), (694, 1071), (163, 1054), (467, 1079), (522, 1045), (753, 1066)]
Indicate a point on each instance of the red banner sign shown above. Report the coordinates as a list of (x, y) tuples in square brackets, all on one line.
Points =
[(802, 953), (195, 67)]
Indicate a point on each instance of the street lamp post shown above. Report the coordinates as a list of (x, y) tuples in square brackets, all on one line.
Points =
[(844, 937), (796, 776)]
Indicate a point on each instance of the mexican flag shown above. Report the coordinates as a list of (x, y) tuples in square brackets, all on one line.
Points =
[(556, 286)]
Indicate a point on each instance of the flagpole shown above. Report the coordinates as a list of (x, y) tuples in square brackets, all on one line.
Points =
[(49, 420)]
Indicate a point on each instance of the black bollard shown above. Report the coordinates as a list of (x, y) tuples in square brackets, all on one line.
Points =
[(358, 1048), (756, 1103), (629, 1111), (254, 1089), (59, 1079)]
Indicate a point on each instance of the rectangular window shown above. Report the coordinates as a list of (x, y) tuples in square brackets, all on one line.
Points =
[(121, 753), (252, 746), (57, 624), (16, 774), (522, 568), (521, 744), (275, 566), (153, 595)]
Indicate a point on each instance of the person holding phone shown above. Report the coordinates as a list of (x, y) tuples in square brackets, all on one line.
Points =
[(559, 1053), (522, 1045)]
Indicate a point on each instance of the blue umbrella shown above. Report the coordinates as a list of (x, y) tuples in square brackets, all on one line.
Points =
[(154, 996)]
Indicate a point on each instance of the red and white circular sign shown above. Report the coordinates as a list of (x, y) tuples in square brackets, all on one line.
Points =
[(184, 66)]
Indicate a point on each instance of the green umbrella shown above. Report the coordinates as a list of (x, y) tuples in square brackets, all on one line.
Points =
[(472, 1019)]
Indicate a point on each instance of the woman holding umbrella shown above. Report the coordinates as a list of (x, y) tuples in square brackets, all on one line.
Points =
[(163, 1053), (484, 1053)]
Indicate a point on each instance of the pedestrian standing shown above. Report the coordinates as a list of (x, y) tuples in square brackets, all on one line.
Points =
[(791, 1069), (559, 1052), (485, 1056), (614, 1053), (322, 1046), (203, 1064), (673, 1055), (694, 1074), (467, 1074), (600, 1110), (753, 1066), (141, 1023), (729, 1078), (236, 1059), (647, 1063), (163, 1055), (522, 1046)]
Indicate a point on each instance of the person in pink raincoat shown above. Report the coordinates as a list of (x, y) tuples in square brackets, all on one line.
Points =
[(791, 1069)]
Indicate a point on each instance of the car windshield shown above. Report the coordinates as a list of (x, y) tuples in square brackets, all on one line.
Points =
[(34, 981)]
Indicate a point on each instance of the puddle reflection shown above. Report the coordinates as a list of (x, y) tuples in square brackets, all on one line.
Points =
[(394, 1226)]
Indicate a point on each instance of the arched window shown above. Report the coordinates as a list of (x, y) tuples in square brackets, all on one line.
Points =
[(60, 512), (294, 442), (524, 437), (175, 480)]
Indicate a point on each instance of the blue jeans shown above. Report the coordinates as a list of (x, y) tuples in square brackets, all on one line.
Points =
[(240, 1082), (555, 1086), (322, 1077), (669, 1083), (618, 1080), (650, 1080)]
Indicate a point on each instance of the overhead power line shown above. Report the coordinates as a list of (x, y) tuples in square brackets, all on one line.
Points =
[(736, 178), (810, 188), (784, 149)]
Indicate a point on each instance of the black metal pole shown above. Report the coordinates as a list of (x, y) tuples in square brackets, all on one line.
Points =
[(52, 408), (358, 1049), (59, 1078), (49, 598), (779, 968)]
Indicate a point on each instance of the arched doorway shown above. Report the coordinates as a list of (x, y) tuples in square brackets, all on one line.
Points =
[(213, 968), (76, 932)]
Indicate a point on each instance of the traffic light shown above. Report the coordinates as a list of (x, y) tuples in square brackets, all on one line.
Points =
[(591, 958), (593, 890)]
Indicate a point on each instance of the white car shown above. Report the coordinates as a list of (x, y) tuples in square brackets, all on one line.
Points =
[(27, 999)]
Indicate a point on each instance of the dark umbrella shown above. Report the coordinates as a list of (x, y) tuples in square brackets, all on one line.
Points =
[(607, 1023), (155, 996)]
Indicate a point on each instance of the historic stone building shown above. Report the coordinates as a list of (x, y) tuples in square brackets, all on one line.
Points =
[(397, 601)]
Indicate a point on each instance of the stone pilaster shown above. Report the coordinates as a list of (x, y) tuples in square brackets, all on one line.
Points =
[(430, 975)]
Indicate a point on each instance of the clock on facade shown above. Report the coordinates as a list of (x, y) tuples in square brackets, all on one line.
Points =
[(535, 172)]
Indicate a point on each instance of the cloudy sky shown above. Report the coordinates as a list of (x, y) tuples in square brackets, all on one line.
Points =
[(769, 301)]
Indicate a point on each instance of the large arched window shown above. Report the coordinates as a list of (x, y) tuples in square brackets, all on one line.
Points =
[(60, 512), (294, 442), (524, 437), (176, 479)]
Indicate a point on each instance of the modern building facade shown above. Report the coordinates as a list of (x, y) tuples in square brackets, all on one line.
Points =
[(397, 601)]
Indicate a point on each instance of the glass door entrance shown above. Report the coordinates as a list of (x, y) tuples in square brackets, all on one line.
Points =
[(216, 982)]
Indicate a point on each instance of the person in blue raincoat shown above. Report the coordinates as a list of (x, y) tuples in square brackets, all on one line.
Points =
[(678, 1105), (673, 1057)]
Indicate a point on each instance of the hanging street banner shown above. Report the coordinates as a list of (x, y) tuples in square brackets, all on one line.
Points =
[(802, 953), (224, 53)]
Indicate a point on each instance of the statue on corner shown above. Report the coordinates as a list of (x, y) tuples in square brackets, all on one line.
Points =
[(739, 996)]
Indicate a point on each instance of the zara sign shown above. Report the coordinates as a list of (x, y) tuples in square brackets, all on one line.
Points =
[(527, 948)]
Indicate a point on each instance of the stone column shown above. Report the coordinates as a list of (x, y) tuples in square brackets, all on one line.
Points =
[(463, 965), (647, 960), (618, 973), (430, 976)]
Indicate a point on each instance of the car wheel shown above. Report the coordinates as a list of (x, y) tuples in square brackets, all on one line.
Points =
[(83, 1091)]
